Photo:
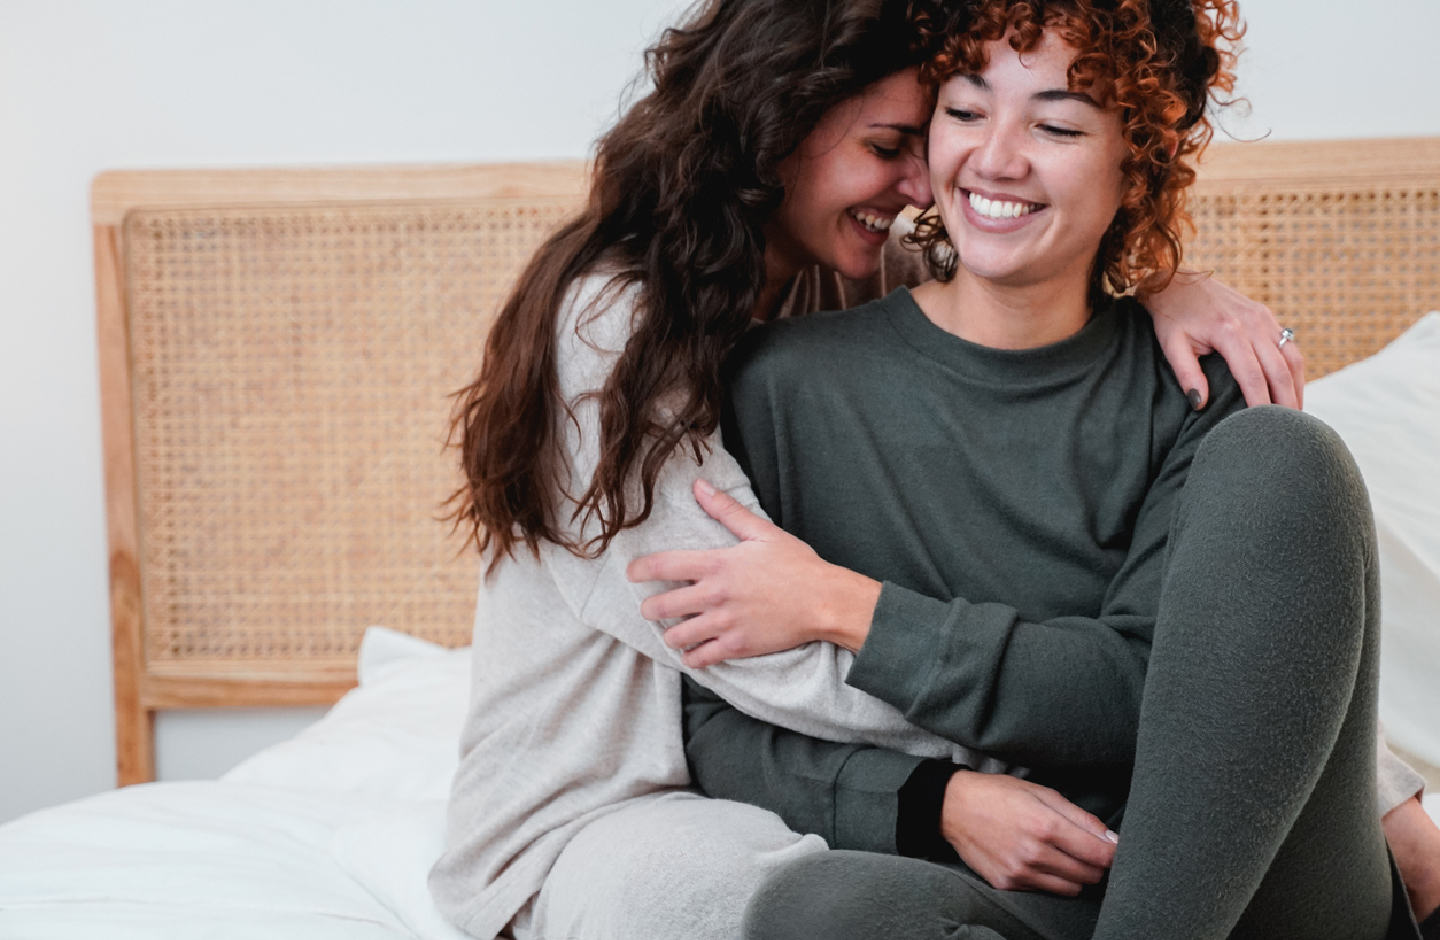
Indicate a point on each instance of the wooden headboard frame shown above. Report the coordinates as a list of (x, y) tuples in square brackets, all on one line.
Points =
[(1342, 239), (142, 685)]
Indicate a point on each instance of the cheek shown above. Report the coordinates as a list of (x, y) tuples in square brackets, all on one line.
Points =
[(1097, 190)]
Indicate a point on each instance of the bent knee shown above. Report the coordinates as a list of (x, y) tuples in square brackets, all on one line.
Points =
[(1293, 456), (844, 895), (677, 865)]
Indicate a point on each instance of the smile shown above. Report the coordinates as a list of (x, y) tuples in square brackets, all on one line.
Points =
[(871, 222), (1000, 209)]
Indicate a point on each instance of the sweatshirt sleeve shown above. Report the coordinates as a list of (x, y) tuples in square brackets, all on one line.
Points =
[(802, 689), (848, 794), (1061, 693), (1396, 781)]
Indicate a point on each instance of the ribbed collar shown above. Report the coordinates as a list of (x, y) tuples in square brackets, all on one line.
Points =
[(1057, 362)]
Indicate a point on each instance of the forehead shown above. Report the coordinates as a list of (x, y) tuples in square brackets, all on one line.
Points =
[(898, 100), (1047, 63)]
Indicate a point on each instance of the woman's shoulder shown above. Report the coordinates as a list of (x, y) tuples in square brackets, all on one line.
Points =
[(600, 307), (592, 327)]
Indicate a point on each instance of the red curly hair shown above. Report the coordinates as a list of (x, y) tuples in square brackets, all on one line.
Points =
[(1159, 62)]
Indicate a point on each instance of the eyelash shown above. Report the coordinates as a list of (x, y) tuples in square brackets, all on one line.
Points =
[(964, 116), (885, 153)]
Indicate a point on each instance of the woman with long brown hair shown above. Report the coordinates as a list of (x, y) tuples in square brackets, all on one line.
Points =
[(758, 177)]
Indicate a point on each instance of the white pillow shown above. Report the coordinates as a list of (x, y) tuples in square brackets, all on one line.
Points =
[(395, 736), (1387, 409)]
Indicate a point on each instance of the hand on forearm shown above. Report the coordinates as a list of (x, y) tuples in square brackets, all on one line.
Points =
[(1020, 836), (769, 593)]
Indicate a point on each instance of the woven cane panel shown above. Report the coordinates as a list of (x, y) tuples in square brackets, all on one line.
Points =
[(1349, 268), (291, 369)]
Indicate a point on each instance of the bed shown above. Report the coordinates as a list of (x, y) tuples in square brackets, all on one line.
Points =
[(277, 350)]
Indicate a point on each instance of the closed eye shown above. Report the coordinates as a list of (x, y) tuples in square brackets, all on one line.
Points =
[(962, 115), (887, 153), (1061, 131)]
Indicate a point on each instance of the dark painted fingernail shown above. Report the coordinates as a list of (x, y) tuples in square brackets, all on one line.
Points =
[(1194, 396)]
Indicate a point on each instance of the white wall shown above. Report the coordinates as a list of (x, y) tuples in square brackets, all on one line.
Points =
[(87, 85)]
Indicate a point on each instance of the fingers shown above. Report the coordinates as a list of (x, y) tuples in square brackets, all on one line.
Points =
[(711, 653), (1056, 863), (673, 566), (1240, 355), (1087, 821), (726, 510), (1083, 846), (1284, 367), (1037, 881), (1295, 359), (1277, 374), (691, 633), (1186, 365), (1082, 836), (682, 602), (1038, 866)]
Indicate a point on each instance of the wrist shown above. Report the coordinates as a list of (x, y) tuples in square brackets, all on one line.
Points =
[(845, 616), (954, 795)]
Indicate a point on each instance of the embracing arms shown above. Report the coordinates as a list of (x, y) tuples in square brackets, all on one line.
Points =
[(802, 689), (1056, 692)]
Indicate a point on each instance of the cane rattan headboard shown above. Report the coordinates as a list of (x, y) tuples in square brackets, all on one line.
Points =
[(277, 349)]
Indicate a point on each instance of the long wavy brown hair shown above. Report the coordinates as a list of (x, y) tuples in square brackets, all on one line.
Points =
[(1161, 63), (681, 188)]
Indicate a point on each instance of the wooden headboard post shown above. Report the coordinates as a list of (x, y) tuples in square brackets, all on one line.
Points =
[(537, 194), (134, 723)]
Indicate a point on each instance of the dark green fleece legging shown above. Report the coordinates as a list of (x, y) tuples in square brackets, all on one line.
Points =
[(1252, 807)]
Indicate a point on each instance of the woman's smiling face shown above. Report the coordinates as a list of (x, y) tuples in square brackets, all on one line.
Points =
[(845, 183), (1026, 173)]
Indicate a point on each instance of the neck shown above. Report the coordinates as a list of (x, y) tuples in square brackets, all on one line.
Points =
[(1003, 316), (779, 272)]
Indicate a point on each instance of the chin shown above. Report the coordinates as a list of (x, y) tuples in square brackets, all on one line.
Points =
[(858, 267)]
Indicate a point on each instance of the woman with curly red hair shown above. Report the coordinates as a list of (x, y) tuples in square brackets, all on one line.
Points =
[(1038, 550)]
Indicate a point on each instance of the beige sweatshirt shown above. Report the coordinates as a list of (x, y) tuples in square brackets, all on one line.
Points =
[(575, 705)]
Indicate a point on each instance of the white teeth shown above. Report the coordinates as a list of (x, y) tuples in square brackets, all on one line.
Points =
[(995, 209), (875, 223)]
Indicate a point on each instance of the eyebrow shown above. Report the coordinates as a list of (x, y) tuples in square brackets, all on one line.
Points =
[(1050, 94), (912, 130)]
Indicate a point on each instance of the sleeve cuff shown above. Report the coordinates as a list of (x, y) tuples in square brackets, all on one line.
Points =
[(922, 802), (895, 663)]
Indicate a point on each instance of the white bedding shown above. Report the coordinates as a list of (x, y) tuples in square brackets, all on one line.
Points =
[(329, 834), (1387, 408)]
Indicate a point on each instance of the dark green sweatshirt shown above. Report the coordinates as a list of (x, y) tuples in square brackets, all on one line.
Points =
[(1015, 505)]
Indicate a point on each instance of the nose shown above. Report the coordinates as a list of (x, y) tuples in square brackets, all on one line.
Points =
[(915, 184), (1001, 153)]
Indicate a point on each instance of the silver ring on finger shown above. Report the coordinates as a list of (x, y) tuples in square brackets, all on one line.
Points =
[(1286, 335)]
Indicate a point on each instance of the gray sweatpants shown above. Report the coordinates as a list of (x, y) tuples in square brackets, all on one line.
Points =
[(1252, 805)]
